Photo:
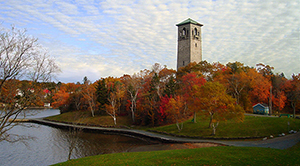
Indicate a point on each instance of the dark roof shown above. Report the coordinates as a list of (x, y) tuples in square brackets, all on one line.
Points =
[(189, 21)]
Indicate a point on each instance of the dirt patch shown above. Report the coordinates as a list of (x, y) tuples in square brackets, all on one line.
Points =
[(157, 147)]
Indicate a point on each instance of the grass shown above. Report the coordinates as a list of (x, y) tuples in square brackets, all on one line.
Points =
[(251, 127), (85, 117), (222, 155)]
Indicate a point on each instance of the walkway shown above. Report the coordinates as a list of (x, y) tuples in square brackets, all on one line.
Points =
[(278, 143)]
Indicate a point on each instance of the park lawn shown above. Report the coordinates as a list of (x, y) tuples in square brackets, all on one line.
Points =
[(251, 127), (221, 155)]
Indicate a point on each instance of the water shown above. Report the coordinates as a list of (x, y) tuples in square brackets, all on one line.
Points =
[(51, 145)]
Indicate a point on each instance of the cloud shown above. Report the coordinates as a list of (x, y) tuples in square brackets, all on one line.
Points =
[(114, 37)]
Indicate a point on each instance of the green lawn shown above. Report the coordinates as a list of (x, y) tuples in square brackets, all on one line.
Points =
[(222, 155), (251, 127)]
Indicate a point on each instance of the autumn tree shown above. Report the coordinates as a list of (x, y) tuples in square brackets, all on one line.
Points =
[(188, 83), (89, 95), (176, 111), (279, 98), (217, 104), (61, 100), (259, 90), (292, 88), (116, 91), (133, 85), (21, 58), (265, 70)]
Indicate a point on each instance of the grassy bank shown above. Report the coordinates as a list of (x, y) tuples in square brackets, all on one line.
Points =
[(251, 127), (222, 155), (85, 117)]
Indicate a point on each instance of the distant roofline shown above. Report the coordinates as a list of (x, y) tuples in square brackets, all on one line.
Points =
[(189, 21), (262, 104)]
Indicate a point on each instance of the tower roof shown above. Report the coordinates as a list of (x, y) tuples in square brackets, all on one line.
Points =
[(189, 21)]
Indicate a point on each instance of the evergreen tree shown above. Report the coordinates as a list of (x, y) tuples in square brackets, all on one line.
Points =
[(171, 87), (102, 94)]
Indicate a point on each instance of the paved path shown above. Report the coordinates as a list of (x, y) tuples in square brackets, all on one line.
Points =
[(278, 143)]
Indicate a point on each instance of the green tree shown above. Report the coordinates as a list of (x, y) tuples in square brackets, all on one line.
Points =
[(102, 94)]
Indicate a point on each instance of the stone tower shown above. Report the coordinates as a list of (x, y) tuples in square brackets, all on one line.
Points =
[(189, 43)]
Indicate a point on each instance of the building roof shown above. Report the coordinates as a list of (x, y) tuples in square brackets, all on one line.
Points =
[(189, 21), (262, 104)]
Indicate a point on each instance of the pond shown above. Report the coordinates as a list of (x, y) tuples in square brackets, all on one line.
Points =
[(51, 145)]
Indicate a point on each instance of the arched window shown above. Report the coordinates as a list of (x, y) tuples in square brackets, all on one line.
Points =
[(183, 32), (196, 32)]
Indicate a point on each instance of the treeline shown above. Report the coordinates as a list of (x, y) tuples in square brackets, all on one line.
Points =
[(161, 95), (26, 93)]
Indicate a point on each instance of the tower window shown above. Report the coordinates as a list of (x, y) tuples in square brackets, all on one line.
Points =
[(183, 32), (183, 63), (195, 44), (196, 32)]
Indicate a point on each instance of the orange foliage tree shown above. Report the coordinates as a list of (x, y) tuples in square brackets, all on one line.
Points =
[(217, 104), (176, 111), (259, 87), (61, 99), (189, 82)]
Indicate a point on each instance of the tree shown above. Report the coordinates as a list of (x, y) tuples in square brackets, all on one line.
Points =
[(21, 58), (89, 95), (133, 86), (61, 100), (217, 104), (259, 87), (292, 89), (188, 84), (115, 93), (176, 111), (279, 96), (102, 94)]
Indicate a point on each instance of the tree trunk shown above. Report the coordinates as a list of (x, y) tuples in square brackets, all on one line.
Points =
[(294, 109), (179, 127), (115, 120), (195, 117), (214, 128), (210, 121)]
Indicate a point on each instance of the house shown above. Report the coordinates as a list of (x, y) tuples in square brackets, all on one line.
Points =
[(261, 108)]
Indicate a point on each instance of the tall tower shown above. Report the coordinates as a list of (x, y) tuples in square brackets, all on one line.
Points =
[(189, 43)]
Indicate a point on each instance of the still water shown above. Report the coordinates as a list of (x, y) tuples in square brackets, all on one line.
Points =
[(51, 145)]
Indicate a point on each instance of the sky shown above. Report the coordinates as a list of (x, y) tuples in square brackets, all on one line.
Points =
[(104, 38)]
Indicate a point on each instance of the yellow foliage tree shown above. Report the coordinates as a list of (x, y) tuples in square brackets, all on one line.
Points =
[(217, 104), (176, 111)]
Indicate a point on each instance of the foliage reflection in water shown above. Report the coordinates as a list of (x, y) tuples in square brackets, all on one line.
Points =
[(51, 145)]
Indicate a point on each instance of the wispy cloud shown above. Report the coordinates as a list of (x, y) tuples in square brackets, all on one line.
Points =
[(98, 39)]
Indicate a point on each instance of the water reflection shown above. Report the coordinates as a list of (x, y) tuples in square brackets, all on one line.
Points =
[(51, 145)]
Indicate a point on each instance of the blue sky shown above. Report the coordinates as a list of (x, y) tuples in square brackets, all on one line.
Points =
[(111, 38)]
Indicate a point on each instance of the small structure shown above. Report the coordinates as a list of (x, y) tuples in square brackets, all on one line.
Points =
[(261, 108)]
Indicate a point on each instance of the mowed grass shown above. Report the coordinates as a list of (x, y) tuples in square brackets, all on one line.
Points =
[(86, 118), (222, 155), (251, 127)]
